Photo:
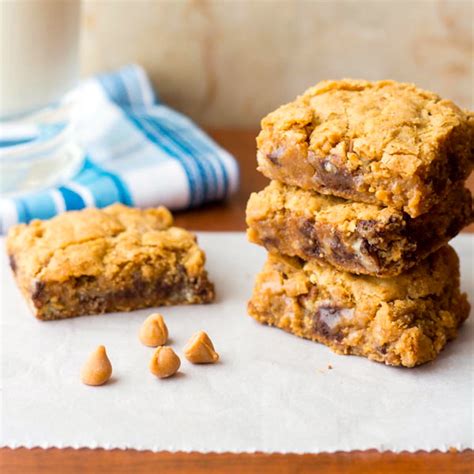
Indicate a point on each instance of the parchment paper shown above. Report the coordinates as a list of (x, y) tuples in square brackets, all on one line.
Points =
[(271, 391)]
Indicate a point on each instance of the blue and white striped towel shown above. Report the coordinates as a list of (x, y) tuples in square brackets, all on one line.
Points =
[(138, 152)]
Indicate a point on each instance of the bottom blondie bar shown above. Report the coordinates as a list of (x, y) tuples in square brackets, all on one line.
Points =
[(114, 259), (404, 320)]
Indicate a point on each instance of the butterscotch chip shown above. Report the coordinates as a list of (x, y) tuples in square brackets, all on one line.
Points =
[(164, 362), (97, 369), (153, 332), (200, 350)]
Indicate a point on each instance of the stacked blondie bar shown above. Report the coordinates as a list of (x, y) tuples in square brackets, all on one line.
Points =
[(367, 189)]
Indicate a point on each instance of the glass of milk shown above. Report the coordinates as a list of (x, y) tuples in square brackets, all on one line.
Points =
[(39, 65)]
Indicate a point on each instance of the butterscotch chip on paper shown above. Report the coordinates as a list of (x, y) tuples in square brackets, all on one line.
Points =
[(153, 332), (164, 362), (97, 370), (200, 350)]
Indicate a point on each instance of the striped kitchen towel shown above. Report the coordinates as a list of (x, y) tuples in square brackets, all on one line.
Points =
[(138, 152)]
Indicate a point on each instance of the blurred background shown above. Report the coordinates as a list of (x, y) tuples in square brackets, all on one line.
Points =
[(226, 63)]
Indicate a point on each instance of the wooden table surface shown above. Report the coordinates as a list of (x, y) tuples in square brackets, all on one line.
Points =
[(230, 216)]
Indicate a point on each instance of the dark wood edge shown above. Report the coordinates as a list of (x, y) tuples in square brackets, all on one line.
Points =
[(67, 461)]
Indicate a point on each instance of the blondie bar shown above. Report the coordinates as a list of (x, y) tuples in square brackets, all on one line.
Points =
[(383, 143), (354, 237), (114, 259), (404, 320)]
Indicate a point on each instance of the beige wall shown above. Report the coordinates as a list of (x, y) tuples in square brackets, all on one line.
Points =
[(228, 62)]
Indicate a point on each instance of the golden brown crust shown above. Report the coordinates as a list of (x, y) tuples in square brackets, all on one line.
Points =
[(404, 320), (352, 236), (117, 258), (379, 142)]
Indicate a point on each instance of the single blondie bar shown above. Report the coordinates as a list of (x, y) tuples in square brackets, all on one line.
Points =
[(354, 237), (383, 143), (404, 320), (114, 259)]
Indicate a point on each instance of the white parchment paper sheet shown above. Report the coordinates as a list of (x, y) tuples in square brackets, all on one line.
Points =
[(271, 391)]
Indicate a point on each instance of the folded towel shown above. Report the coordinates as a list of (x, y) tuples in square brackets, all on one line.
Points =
[(138, 152)]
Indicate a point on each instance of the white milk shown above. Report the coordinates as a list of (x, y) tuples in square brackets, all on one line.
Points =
[(38, 53)]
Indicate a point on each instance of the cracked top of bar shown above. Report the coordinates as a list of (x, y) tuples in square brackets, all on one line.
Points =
[(382, 142), (97, 242)]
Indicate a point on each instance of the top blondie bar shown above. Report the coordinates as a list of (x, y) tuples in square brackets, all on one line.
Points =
[(385, 142)]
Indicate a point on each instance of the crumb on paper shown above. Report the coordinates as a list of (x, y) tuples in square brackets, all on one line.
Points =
[(325, 369)]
